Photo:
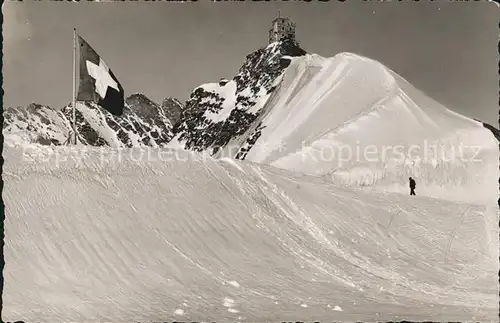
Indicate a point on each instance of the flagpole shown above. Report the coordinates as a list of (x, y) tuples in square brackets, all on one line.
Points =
[(74, 85)]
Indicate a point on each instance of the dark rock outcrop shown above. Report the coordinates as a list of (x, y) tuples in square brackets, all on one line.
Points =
[(173, 110), (217, 113)]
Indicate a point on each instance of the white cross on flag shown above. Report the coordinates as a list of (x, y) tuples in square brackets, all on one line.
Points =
[(97, 82)]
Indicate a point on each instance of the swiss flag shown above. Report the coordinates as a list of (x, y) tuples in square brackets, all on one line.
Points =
[(97, 82)]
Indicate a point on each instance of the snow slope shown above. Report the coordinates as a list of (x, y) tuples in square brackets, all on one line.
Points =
[(198, 239), (357, 122)]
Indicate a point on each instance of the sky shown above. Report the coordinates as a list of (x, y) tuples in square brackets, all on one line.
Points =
[(163, 49)]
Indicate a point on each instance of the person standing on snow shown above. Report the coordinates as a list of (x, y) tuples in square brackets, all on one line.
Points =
[(412, 186)]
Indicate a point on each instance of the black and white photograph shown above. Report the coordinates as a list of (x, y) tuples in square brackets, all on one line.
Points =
[(250, 161)]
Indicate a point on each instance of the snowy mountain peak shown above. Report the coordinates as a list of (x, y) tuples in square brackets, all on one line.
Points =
[(144, 123), (36, 123), (326, 113), (302, 112), (216, 113)]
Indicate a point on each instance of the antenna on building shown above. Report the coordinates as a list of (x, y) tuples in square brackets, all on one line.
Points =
[(279, 13)]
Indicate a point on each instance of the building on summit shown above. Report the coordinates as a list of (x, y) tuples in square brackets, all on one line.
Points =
[(281, 27)]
